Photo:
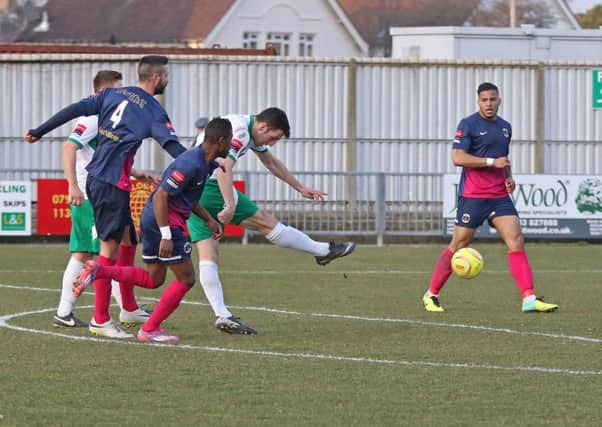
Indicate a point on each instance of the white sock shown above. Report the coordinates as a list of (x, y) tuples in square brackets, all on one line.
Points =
[(213, 288), (289, 237), (529, 298), (74, 267), (116, 293)]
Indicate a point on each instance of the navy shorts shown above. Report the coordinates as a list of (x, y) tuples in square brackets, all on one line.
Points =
[(111, 210), (473, 212), (151, 239)]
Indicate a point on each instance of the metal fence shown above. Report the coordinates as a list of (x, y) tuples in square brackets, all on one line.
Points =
[(353, 115)]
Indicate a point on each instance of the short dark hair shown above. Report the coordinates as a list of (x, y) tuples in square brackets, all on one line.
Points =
[(149, 65), (217, 128), (275, 118), (106, 76), (487, 86)]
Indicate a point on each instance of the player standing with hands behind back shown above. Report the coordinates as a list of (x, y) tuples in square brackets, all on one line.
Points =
[(481, 147)]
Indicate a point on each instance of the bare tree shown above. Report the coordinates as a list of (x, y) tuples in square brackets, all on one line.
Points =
[(496, 13)]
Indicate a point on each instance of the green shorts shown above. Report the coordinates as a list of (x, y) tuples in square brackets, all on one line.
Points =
[(83, 236), (213, 201)]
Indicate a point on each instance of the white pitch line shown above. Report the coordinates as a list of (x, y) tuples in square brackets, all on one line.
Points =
[(333, 272), (308, 356), (367, 318)]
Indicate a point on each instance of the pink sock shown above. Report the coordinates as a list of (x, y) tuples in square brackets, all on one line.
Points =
[(126, 276), (170, 300), (521, 271), (127, 255), (441, 272), (102, 293)]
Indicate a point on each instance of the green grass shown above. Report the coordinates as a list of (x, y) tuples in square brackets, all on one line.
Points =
[(308, 369)]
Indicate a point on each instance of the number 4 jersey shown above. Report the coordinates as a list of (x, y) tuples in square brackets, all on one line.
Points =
[(127, 116)]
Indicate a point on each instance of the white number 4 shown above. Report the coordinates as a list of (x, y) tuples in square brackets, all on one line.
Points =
[(118, 113)]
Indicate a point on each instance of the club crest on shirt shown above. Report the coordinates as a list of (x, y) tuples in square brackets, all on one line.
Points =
[(465, 218), (506, 132)]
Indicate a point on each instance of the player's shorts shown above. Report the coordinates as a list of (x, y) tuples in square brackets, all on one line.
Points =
[(473, 212), (83, 236), (111, 210), (151, 239), (213, 201)]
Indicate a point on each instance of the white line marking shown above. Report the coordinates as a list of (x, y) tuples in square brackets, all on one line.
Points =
[(365, 318), (327, 272), (310, 356)]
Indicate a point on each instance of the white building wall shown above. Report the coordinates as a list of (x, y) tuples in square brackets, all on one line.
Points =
[(316, 17), (474, 43)]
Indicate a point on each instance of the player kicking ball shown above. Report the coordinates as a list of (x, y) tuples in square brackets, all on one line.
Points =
[(165, 239)]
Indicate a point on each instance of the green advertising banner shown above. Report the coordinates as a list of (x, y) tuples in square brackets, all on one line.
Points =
[(15, 208), (597, 88), (549, 206)]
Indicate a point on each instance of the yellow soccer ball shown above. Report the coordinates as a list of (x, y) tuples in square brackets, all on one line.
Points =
[(467, 263)]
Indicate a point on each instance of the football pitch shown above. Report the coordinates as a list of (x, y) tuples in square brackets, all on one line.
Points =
[(348, 344)]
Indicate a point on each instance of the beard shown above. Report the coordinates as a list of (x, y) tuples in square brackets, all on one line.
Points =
[(160, 89)]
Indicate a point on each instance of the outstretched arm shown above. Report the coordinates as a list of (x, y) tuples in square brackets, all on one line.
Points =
[(85, 107), (280, 171)]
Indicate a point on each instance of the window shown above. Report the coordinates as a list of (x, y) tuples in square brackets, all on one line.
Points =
[(280, 41), (306, 44), (249, 40)]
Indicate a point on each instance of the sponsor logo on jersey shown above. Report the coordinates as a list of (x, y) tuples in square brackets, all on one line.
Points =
[(170, 128), (175, 179), (458, 136), (79, 129), (236, 145)]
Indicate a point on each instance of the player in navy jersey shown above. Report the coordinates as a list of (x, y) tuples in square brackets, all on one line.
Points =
[(165, 237), (481, 147), (126, 117)]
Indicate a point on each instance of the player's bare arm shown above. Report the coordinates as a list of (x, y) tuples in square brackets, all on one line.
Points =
[(212, 224), (279, 170), (464, 159), (224, 182), (509, 181), (68, 152), (145, 176), (161, 215)]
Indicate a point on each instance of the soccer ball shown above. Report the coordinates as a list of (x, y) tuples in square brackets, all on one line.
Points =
[(467, 263)]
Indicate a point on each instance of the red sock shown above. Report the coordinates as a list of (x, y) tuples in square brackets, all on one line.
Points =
[(127, 255), (521, 271), (441, 272), (126, 276), (102, 293), (170, 300)]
